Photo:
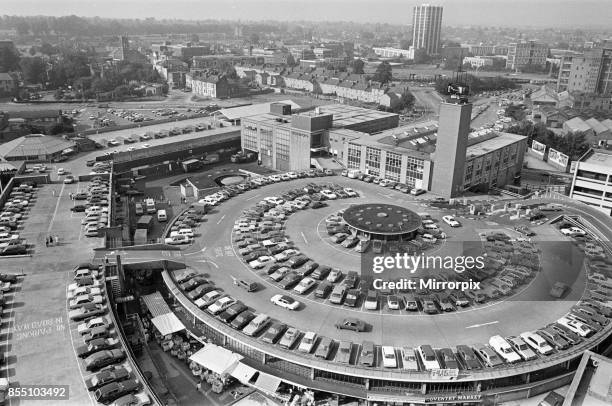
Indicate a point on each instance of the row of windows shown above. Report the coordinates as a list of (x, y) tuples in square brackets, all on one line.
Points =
[(354, 156), (373, 161), (393, 166)]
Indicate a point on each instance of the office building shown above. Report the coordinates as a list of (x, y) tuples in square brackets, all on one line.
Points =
[(388, 52), (371, 142), (528, 53), (592, 181), (426, 26), (589, 73)]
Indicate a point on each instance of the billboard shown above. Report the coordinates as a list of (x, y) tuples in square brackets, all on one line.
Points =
[(558, 158), (538, 148)]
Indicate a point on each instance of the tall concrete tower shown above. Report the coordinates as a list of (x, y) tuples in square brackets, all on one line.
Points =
[(426, 27), (451, 147), (125, 47)]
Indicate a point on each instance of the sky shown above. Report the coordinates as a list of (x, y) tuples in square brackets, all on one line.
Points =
[(536, 13)]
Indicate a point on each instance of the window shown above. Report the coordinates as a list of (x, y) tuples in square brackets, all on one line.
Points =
[(373, 161), (249, 137), (414, 170), (266, 143), (393, 166), (354, 156), (282, 144)]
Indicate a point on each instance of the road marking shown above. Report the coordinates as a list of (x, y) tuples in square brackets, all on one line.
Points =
[(304, 237), (483, 324), (221, 219), (209, 261), (56, 208), (252, 197)]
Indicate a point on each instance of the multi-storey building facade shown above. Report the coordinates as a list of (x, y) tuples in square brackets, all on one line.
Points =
[(426, 27), (528, 53), (592, 182), (388, 52), (589, 73)]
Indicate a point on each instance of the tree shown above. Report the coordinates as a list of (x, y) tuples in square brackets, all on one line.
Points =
[(32, 51), (254, 38), (47, 49), (405, 43), (383, 73), (407, 100), (357, 66), (9, 59), (33, 69)]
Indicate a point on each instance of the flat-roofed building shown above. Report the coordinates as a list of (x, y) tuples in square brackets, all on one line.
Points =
[(592, 181)]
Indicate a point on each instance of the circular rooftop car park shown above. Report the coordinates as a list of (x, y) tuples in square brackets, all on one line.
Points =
[(382, 221)]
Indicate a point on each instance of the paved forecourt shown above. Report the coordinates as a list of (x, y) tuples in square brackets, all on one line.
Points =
[(215, 254), (40, 350)]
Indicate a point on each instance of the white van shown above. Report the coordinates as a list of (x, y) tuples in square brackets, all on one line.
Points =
[(503, 348), (576, 326), (428, 356), (161, 215), (139, 210), (353, 173), (150, 204)]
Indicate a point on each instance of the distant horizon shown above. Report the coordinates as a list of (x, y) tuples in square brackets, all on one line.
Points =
[(486, 13)]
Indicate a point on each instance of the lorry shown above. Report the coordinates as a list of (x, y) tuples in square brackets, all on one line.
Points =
[(144, 222), (140, 236), (243, 156), (192, 165)]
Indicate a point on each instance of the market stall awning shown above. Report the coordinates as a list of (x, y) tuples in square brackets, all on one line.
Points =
[(156, 304), (243, 373), (215, 358), (267, 383), (168, 323)]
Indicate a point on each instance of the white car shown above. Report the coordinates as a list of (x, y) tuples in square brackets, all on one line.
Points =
[(504, 349), (261, 262), (61, 171), (285, 301), (188, 232), (177, 240), (87, 326), (208, 299), (285, 255), (69, 179), (84, 290), (308, 342), (79, 301), (576, 326), (521, 348), (572, 231), (274, 200), (328, 194), (450, 220), (536, 342), (304, 285), (350, 192), (388, 357), (220, 305), (292, 175), (275, 178)]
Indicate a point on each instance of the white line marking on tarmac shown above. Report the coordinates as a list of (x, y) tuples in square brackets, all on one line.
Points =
[(221, 219), (56, 208), (304, 237), (210, 262), (483, 324), (252, 197)]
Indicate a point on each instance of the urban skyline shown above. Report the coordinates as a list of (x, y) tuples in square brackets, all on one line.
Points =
[(565, 13)]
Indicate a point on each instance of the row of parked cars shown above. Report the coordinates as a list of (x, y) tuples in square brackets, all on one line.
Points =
[(94, 203), (12, 216), (355, 174), (98, 346)]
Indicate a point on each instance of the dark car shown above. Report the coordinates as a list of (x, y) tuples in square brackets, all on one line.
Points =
[(323, 289), (351, 323), (232, 312), (352, 297), (321, 272), (94, 345), (200, 291), (448, 358), (291, 279), (318, 205), (525, 231), (103, 358), (115, 390), (297, 261), (276, 330), (307, 269), (351, 279), (106, 376), (468, 357), (14, 250), (242, 319), (193, 283)]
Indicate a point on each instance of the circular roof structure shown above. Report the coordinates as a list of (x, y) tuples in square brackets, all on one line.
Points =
[(380, 218)]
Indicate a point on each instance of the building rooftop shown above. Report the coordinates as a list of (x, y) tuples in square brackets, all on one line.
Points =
[(37, 145), (577, 124), (592, 383), (236, 113), (485, 143), (387, 219), (598, 157)]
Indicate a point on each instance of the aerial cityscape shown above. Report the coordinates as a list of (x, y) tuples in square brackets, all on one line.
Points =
[(306, 203)]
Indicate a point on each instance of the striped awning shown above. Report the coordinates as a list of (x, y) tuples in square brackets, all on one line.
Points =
[(156, 304)]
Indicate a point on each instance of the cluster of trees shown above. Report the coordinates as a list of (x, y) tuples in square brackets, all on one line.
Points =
[(384, 73), (81, 26), (9, 59), (477, 84), (573, 145)]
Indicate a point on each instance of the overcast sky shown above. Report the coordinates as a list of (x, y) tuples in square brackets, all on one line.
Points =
[(541, 13)]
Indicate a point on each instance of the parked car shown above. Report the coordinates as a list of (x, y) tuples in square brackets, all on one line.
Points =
[(324, 348), (103, 358), (285, 301), (289, 338)]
